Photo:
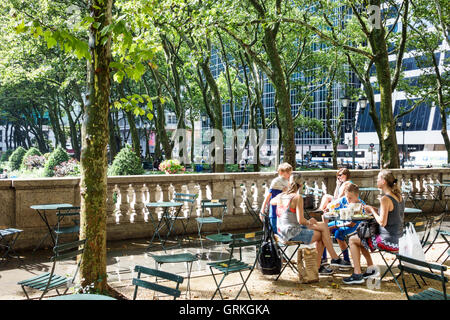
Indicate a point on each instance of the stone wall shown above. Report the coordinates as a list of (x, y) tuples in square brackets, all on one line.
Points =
[(128, 216)]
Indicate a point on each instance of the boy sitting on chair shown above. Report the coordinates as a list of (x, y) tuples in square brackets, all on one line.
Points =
[(341, 229)]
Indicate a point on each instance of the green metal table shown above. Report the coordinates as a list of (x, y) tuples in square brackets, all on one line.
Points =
[(439, 195), (82, 296), (167, 220), (41, 210)]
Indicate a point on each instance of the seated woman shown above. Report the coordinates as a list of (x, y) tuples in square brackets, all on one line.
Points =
[(389, 217), (342, 180), (292, 225), (341, 229)]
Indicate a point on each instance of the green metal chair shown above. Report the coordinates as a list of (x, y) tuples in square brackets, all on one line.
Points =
[(234, 265), (187, 258), (221, 205), (49, 280), (313, 211), (138, 282), (436, 226), (62, 215), (418, 267), (417, 199), (190, 199), (284, 245), (8, 238)]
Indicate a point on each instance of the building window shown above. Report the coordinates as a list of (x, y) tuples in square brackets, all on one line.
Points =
[(171, 119)]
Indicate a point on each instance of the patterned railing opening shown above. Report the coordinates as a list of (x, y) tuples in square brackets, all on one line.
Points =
[(128, 216)]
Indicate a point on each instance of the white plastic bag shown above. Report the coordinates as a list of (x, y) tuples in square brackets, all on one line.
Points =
[(410, 246)]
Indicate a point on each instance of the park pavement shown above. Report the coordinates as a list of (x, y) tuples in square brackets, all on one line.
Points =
[(123, 255)]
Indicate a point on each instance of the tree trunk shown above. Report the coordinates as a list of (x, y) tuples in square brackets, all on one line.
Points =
[(388, 140), (93, 184), (112, 139), (134, 133), (217, 109)]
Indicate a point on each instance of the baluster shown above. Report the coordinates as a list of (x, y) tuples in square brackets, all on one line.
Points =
[(204, 196), (179, 188), (260, 193), (138, 203), (111, 200), (193, 188), (152, 192), (124, 207), (239, 197)]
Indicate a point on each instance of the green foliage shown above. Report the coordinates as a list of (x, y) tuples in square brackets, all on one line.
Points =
[(57, 157), (126, 162), (15, 160), (33, 151), (6, 155)]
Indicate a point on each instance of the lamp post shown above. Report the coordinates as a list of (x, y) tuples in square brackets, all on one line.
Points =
[(403, 126), (361, 103), (203, 133)]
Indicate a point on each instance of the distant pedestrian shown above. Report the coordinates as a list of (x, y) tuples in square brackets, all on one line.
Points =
[(242, 165)]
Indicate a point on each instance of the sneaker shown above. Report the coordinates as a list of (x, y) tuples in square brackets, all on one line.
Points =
[(370, 273), (324, 270), (345, 265), (354, 279), (324, 262), (339, 263)]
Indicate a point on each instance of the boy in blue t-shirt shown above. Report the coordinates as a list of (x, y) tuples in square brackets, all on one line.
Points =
[(278, 185), (339, 228)]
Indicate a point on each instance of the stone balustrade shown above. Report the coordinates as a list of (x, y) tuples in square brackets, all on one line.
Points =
[(128, 217)]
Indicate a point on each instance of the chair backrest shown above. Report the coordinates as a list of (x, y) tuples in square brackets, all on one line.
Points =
[(247, 239), (418, 267), (67, 211), (186, 197), (314, 191), (221, 201), (63, 212), (138, 282)]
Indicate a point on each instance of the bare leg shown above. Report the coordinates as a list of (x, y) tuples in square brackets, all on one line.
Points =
[(326, 199), (319, 248), (321, 233), (355, 250), (367, 255)]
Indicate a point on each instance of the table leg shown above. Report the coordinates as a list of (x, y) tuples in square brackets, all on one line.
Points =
[(43, 216), (156, 232)]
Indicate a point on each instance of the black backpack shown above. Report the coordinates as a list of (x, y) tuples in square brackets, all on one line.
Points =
[(269, 258)]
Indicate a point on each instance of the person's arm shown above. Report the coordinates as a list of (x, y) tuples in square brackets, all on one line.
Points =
[(342, 193), (265, 203), (382, 215), (300, 212)]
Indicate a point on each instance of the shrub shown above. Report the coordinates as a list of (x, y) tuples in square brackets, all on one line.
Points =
[(68, 168), (171, 166), (33, 162), (31, 152), (126, 162), (6, 155), (15, 160), (58, 156)]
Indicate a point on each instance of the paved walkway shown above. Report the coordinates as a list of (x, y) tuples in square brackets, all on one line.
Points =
[(124, 255)]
